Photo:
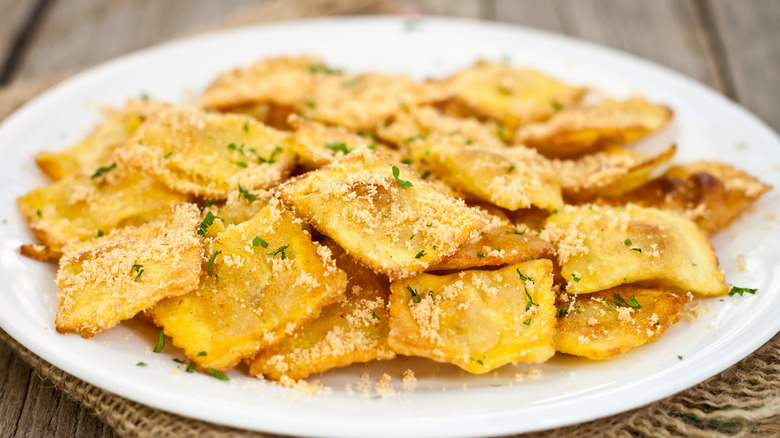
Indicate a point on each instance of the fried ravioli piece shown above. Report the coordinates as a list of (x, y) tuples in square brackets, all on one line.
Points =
[(80, 207), (511, 96), (97, 150), (208, 154), (385, 216), (477, 320), (265, 279), (605, 324), (515, 178), (711, 194), (406, 126), (364, 102), (574, 131), (603, 247), (611, 171), (317, 144), (354, 329), (500, 243), (281, 81), (109, 279)]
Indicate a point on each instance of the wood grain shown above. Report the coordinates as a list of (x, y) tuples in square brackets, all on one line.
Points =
[(77, 34), (15, 15), (748, 47)]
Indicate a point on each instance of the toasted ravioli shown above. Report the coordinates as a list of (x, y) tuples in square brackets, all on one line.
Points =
[(384, 215), (412, 123), (499, 243), (264, 279), (513, 179), (317, 144), (603, 247), (363, 102), (709, 193), (111, 278), (574, 131), (354, 329), (80, 207), (605, 324), (511, 96), (97, 150), (284, 80), (611, 171), (477, 320), (208, 154)]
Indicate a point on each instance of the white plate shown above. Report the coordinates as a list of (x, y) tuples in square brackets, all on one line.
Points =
[(445, 401)]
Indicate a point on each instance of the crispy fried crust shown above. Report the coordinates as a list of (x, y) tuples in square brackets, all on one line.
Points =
[(477, 320), (208, 155), (354, 329), (97, 150), (252, 296), (111, 278), (602, 247), (602, 325), (392, 229), (574, 131), (513, 178), (80, 207), (509, 95), (711, 194)]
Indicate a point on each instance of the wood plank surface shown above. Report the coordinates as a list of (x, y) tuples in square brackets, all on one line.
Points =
[(748, 48), (731, 46)]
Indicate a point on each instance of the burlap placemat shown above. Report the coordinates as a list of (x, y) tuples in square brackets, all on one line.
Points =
[(742, 401)]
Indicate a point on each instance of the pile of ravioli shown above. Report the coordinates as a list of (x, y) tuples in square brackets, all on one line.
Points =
[(300, 218)]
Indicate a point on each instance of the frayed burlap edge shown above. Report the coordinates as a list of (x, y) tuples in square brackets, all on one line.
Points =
[(742, 401)]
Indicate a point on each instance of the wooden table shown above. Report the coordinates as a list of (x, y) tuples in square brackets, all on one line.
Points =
[(731, 46)]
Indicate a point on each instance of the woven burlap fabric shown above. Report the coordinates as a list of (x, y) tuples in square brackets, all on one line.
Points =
[(742, 401)]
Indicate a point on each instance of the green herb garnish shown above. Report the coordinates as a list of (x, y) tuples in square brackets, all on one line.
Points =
[(524, 277), (272, 159), (190, 368), (245, 193), (100, 233), (396, 173), (374, 315), (168, 155), (141, 364), (740, 290), (279, 250), (211, 261), (563, 311), (257, 241), (480, 254), (140, 270), (575, 278), (420, 254), (337, 146), (206, 223), (556, 105), (103, 170), (208, 204), (415, 296), (201, 354), (218, 374), (527, 321), (425, 175), (160, 342)]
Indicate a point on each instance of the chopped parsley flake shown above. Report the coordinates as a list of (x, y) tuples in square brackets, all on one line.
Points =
[(425, 175), (201, 354), (480, 254), (740, 290), (639, 250), (38, 213), (141, 364), (206, 223), (218, 374), (420, 254), (413, 138), (257, 241), (240, 164), (100, 233), (575, 278), (556, 105), (246, 127), (415, 296), (211, 261), (500, 133), (239, 149), (516, 231), (563, 311), (140, 270), (337, 146), (680, 357), (524, 277), (429, 225), (372, 146), (374, 315), (279, 250), (177, 360), (190, 368), (103, 170), (511, 168), (160, 342), (209, 203), (272, 159), (627, 242), (322, 69), (477, 361), (633, 303), (168, 155), (527, 321), (530, 300), (245, 193), (396, 173)]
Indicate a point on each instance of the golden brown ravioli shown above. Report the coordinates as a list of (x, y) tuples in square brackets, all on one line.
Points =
[(477, 320)]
